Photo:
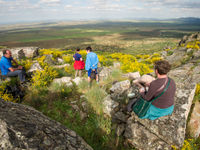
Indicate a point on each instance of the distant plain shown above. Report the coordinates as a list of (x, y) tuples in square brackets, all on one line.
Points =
[(132, 37)]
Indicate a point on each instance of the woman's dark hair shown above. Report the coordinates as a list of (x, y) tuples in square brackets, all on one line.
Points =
[(89, 48), (78, 49), (5, 52), (162, 66)]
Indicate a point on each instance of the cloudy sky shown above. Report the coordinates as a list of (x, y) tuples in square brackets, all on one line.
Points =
[(44, 10)]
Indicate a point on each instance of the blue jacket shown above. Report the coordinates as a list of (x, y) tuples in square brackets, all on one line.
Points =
[(91, 61), (5, 63)]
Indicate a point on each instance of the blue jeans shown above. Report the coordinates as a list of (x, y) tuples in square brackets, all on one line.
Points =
[(19, 73)]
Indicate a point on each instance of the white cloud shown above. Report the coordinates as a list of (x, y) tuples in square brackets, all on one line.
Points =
[(136, 8), (68, 6), (49, 1)]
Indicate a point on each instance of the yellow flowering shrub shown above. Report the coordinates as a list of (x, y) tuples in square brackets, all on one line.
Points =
[(131, 64), (68, 59), (55, 52), (154, 59), (193, 45), (142, 56), (105, 60), (5, 96), (167, 49), (26, 64), (69, 69), (197, 92), (83, 54), (44, 77), (189, 144), (41, 61)]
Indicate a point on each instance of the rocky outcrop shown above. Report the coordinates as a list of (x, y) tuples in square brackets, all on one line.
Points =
[(24, 52), (192, 37), (187, 52), (22, 127)]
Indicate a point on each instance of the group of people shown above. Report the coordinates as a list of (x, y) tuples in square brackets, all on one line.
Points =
[(162, 106), (9, 70), (90, 65)]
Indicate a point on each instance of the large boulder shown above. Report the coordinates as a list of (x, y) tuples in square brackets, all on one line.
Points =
[(168, 130), (22, 127), (165, 131)]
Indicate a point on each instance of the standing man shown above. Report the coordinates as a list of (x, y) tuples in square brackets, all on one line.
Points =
[(91, 63), (8, 70)]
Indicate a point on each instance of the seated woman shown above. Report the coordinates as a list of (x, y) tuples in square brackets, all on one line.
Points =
[(163, 105)]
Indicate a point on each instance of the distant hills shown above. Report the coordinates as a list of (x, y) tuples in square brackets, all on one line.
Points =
[(188, 20), (50, 22)]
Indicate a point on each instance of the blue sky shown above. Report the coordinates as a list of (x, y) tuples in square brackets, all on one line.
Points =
[(43, 10)]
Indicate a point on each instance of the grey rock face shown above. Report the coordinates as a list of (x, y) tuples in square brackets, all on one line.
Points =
[(119, 88), (22, 127), (109, 105), (176, 56)]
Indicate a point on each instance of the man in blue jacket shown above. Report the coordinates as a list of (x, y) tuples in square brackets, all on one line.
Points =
[(8, 70), (91, 63)]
